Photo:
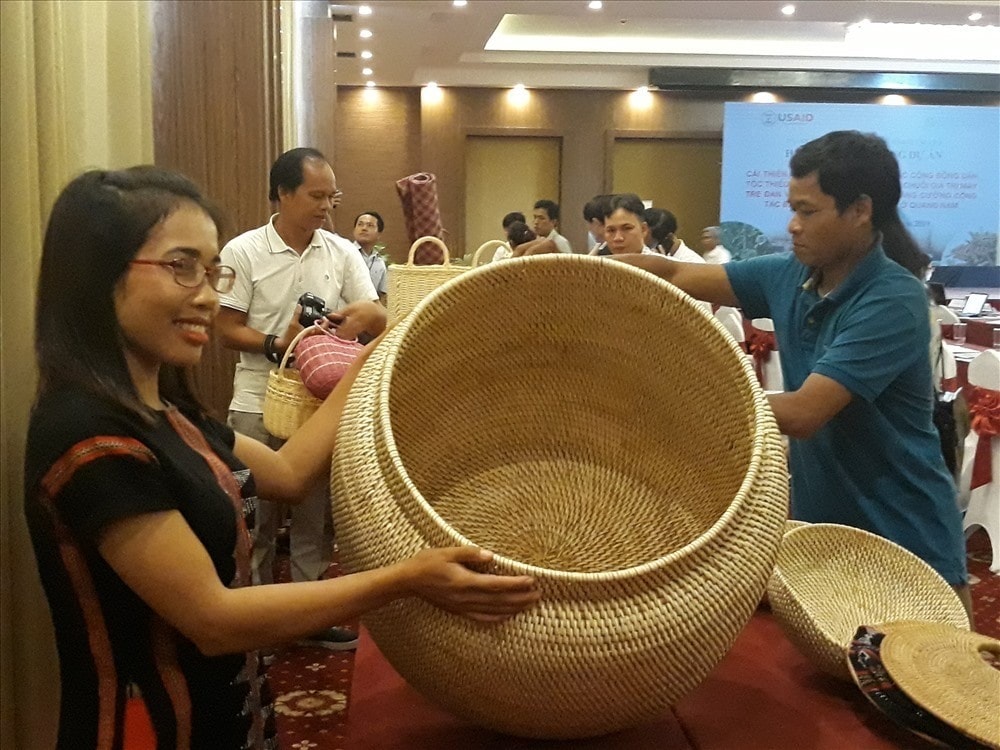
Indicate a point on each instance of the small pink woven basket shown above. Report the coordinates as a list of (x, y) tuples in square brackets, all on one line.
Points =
[(323, 359)]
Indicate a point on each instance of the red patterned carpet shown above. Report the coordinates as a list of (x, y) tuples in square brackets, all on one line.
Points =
[(311, 685)]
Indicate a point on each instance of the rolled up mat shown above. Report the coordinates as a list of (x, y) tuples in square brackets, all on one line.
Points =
[(418, 194)]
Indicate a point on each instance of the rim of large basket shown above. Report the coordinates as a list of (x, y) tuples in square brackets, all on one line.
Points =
[(754, 468)]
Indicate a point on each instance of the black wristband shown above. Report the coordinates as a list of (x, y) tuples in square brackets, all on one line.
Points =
[(269, 351)]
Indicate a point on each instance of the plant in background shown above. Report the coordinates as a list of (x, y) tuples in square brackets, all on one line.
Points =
[(979, 250)]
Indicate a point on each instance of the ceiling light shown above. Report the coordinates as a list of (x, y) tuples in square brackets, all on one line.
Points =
[(365, 33), (364, 10), (896, 99), (431, 93), (370, 84), (366, 54), (595, 4), (788, 10), (366, 71), (460, 3), (641, 98), (975, 16), (911, 39), (764, 97), (518, 95)]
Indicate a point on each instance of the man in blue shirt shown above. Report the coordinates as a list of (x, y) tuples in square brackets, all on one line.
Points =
[(853, 332)]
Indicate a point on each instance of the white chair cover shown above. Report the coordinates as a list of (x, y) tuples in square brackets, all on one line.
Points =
[(944, 315), (732, 321), (982, 504)]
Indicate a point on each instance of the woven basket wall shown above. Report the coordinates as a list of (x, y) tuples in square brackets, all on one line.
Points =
[(595, 428)]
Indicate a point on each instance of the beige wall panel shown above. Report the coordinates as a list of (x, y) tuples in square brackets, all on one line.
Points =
[(505, 174), (215, 120), (680, 175), (378, 137)]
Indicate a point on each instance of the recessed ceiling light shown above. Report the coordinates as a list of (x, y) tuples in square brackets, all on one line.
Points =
[(364, 10), (460, 3), (431, 93), (595, 4), (895, 99), (641, 98), (366, 54), (370, 84), (518, 95), (366, 71), (764, 97), (788, 10), (365, 33), (975, 16)]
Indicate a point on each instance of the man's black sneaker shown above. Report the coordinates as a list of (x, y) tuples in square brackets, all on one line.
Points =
[(335, 639)]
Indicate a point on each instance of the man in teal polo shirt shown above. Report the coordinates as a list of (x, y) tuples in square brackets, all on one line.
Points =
[(853, 331)]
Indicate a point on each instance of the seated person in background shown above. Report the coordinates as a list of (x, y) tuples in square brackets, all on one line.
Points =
[(507, 252), (546, 224), (663, 232), (368, 228), (625, 226), (852, 326), (662, 238), (522, 239), (594, 212), (138, 501), (712, 249)]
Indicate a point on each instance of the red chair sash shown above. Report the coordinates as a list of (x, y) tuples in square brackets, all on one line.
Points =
[(760, 344), (984, 411)]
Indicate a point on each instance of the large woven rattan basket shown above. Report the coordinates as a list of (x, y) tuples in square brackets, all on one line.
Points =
[(831, 579), (596, 429)]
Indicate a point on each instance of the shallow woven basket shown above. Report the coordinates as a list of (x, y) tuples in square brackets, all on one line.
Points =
[(576, 441), (407, 284), (830, 579), (287, 402)]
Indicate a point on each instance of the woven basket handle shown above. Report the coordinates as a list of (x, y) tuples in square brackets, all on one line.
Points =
[(291, 348), (488, 245), (429, 238), (321, 324)]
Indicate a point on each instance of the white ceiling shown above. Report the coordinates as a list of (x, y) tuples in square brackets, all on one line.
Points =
[(563, 44)]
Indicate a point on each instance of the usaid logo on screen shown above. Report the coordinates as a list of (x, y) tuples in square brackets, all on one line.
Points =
[(787, 118)]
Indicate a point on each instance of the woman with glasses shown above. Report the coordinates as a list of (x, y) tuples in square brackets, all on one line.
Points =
[(138, 501)]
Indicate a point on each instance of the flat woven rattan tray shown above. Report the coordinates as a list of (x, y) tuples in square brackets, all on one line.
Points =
[(830, 579), (559, 411)]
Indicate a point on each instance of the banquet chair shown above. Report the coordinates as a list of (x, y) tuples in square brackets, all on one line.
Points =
[(979, 479), (949, 371), (944, 315), (764, 349), (732, 321)]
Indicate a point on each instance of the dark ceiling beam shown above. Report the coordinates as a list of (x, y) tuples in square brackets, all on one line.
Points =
[(709, 79)]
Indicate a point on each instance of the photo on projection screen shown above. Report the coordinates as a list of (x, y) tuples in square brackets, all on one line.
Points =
[(949, 159)]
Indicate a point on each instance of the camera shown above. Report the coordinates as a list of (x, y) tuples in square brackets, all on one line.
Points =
[(313, 309)]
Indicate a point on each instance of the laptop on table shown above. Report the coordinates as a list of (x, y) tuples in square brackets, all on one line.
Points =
[(974, 305)]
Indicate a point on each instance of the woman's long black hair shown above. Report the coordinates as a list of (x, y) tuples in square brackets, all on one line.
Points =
[(98, 224)]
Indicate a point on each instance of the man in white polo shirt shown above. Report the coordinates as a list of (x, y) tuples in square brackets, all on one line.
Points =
[(545, 220), (275, 264)]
